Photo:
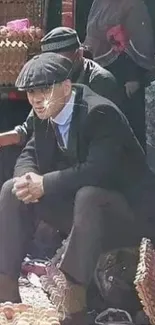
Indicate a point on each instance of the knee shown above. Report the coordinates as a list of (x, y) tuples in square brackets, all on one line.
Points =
[(89, 201), (91, 194), (7, 188)]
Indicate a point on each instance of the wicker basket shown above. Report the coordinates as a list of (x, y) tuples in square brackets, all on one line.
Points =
[(11, 10), (145, 278), (17, 9), (12, 58)]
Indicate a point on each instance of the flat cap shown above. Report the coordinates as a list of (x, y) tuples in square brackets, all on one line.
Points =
[(44, 70), (60, 39)]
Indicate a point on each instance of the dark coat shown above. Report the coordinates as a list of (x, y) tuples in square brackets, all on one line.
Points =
[(103, 148), (99, 80)]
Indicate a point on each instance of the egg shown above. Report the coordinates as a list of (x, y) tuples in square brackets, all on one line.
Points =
[(9, 312)]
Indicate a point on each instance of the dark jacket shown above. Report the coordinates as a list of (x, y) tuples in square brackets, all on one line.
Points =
[(97, 78), (104, 151), (26, 129)]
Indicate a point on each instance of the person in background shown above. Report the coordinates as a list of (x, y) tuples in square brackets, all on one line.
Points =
[(65, 41), (120, 36), (84, 172)]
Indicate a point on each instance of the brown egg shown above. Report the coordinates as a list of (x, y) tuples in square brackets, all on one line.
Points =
[(25, 36), (32, 31), (39, 33), (23, 307), (3, 32), (12, 35), (9, 312), (20, 35)]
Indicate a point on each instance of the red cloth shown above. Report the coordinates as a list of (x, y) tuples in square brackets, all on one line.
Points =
[(37, 269), (67, 19), (117, 37), (14, 95)]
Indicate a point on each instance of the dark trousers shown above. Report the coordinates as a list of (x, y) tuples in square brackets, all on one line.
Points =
[(96, 219)]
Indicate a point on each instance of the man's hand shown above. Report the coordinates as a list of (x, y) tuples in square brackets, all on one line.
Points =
[(3, 140), (28, 188), (9, 138), (131, 87)]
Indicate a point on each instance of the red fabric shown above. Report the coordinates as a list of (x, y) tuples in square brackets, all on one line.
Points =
[(117, 37), (67, 19), (32, 268), (13, 95)]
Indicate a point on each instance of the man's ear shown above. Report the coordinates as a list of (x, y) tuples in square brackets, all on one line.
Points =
[(67, 87)]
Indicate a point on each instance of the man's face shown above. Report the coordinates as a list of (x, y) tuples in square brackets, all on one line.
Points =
[(48, 102)]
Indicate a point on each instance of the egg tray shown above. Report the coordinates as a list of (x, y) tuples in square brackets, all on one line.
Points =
[(22, 314), (17, 9), (145, 278)]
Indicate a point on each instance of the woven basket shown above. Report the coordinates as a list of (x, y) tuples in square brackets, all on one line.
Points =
[(17, 9), (145, 278), (12, 58), (12, 64)]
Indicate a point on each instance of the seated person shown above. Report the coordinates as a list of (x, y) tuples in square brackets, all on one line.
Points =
[(83, 172)]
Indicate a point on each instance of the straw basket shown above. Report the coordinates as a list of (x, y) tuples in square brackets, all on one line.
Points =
[(17, 46)]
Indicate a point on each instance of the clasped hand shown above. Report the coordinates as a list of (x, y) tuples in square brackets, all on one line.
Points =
[(28, 188)]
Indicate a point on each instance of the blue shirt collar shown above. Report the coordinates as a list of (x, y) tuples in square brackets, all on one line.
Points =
[(66, 113)]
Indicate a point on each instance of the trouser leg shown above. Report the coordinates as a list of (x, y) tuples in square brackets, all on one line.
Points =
[(102, 221), (16, 231), (17, 225)]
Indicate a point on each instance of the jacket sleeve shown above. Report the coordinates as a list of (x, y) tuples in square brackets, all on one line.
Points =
[(105, 84), (129, 69), (101, 164), (27, 161), (133, 72), (26, 129)]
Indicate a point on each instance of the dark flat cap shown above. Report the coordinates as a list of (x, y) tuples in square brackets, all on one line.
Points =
[(60, 39), (44, 70)]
